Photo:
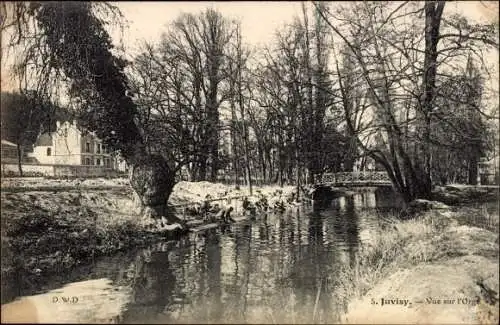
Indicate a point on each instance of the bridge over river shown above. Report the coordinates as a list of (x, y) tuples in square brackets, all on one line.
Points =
[(355, 179)]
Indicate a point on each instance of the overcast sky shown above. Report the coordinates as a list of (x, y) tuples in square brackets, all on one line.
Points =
[(259, 19)]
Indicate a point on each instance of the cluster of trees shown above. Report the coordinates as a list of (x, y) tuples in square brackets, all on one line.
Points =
[(398, 82), (403, 61), (201, 82)]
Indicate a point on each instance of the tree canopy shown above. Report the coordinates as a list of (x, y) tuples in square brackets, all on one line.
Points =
[(401, 83)]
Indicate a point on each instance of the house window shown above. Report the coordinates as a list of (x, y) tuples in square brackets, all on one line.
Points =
[(103, 149), (49, 151), (98, 162), (99, 148), (87, 147), (87, 161)]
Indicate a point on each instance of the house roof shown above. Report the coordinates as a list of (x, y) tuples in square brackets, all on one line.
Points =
[(8, 143), (44, 140)]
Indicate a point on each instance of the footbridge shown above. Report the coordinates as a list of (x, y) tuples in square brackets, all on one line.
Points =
[(355, 179)]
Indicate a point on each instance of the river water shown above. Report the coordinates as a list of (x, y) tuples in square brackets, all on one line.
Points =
[(279, 268)]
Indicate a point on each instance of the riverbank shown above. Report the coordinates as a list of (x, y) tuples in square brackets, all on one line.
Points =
[(439, 267), (47, 229), (50, 231)]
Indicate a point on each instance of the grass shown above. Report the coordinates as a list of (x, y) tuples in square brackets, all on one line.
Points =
[(430, 237), (47, 233), (483, 216)]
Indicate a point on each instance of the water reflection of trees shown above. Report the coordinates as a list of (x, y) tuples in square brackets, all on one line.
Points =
[(344, 221), (271, 270), (152, 282)]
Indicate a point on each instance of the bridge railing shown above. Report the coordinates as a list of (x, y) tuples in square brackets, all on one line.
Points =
[(354, 177)]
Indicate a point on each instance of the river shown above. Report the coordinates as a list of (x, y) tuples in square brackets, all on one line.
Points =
[(279, 268)]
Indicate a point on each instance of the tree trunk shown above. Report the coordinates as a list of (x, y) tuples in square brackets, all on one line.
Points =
[(202, 167), (234, 144), (281, 163), (246, 151), (433, 12), (19, 159), (472, 171), (153, 180)]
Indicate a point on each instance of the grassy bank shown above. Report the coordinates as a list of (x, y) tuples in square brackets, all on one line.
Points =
[(439, 254), (45, 230)]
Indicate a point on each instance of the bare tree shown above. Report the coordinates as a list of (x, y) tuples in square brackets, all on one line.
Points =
[(386, 44)]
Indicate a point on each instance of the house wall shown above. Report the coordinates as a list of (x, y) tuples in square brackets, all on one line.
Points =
[(9, 152), (40, 153), (94, 151), (11, 169), (67, 144), (71, 147), (28, 170)]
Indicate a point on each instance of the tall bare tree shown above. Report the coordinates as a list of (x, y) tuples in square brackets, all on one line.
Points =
[(401, 60)]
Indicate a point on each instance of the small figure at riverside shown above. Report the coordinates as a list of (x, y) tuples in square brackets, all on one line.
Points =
[(204, 210), (279, 206), (262, 204), (248, 207), (224, 215), (193, 211)]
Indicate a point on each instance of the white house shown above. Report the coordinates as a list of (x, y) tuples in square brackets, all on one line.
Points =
[(70, 146)]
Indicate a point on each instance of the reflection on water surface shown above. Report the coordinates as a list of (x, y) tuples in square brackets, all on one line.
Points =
[(278, 268)]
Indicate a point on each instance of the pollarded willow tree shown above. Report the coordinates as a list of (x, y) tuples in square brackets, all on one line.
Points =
[(399, 55), (66, 44)]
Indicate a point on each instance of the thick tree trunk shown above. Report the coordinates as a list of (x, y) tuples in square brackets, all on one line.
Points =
[(153, 180), (433, 13)]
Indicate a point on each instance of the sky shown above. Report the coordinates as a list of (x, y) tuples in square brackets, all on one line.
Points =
[(259, 19)]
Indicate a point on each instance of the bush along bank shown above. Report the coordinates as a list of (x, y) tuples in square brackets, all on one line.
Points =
[(432, 268)]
